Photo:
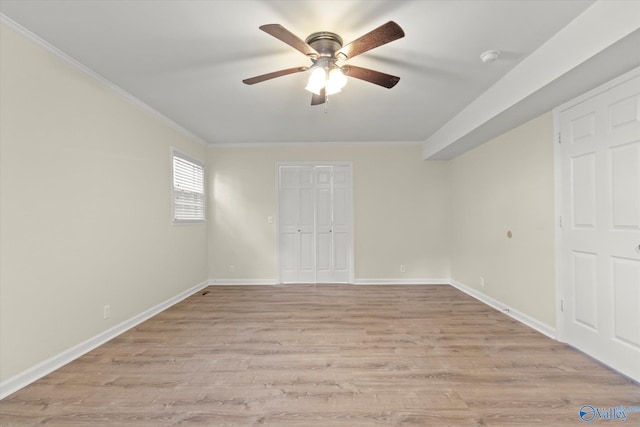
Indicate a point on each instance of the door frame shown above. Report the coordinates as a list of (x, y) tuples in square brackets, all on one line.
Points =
[(561, 287), (308, 163)]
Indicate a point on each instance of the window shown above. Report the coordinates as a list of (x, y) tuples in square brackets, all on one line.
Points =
[(188, 189)]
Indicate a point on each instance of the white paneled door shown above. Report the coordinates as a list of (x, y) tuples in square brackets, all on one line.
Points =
[(599, 156), (314, 223)]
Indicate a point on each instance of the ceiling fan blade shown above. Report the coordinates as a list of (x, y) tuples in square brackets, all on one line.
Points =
[(318, 99), (281, 33), (382, 35), (269, 76), (371, 76)]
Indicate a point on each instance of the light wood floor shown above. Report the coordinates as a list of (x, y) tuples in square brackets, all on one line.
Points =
[(326, 355)]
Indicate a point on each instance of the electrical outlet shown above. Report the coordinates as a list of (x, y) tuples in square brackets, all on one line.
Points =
[(270, 219), (106, 311), (482, 281), (403, 268), (232, 268)]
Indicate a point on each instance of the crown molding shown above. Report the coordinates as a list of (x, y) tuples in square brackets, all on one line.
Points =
[(48, 47), (313, 144)]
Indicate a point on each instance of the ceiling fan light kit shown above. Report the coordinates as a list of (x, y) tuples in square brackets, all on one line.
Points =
[(332, 82), (327, 76), (325, 50)]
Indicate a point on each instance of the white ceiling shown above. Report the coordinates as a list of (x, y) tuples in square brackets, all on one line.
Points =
[(186, 59)]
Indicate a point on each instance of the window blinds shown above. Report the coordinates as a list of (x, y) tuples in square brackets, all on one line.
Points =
[(188, 189)]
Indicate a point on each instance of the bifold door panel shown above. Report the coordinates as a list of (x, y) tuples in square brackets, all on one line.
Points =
[(314, 223)]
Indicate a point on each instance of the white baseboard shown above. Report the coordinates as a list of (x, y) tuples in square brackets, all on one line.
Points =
[(242, 282), (402, 281), (38, 371), (250, 282), (515, 314)]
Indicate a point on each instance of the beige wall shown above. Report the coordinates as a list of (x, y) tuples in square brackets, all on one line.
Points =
[(400, 210), (507, 185), (85, 208)]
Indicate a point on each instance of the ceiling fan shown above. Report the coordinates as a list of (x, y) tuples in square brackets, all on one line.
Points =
[(326, 52)]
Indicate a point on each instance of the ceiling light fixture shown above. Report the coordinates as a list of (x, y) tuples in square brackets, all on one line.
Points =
[(330, 78), (326, 52), (327, 78)]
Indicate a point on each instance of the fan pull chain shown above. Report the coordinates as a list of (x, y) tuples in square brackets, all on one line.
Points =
[(326, 103)]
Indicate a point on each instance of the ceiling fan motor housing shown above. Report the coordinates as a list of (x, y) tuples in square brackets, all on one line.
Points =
[(325, 43)]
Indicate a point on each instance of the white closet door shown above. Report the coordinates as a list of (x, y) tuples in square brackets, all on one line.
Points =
[(341, 224), (288, 223), (306, 226), (324, 221), (296, 224), (600, 238), (315, 223)]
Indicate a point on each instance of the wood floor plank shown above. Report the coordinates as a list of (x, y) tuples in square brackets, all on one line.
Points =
[(324, 355)]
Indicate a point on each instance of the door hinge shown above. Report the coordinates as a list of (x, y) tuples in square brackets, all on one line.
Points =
[(560, 221), (559, 138), (562, 305)]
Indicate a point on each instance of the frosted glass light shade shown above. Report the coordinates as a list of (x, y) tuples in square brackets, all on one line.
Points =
[(336, 81), (332, 83), (317, 80)]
